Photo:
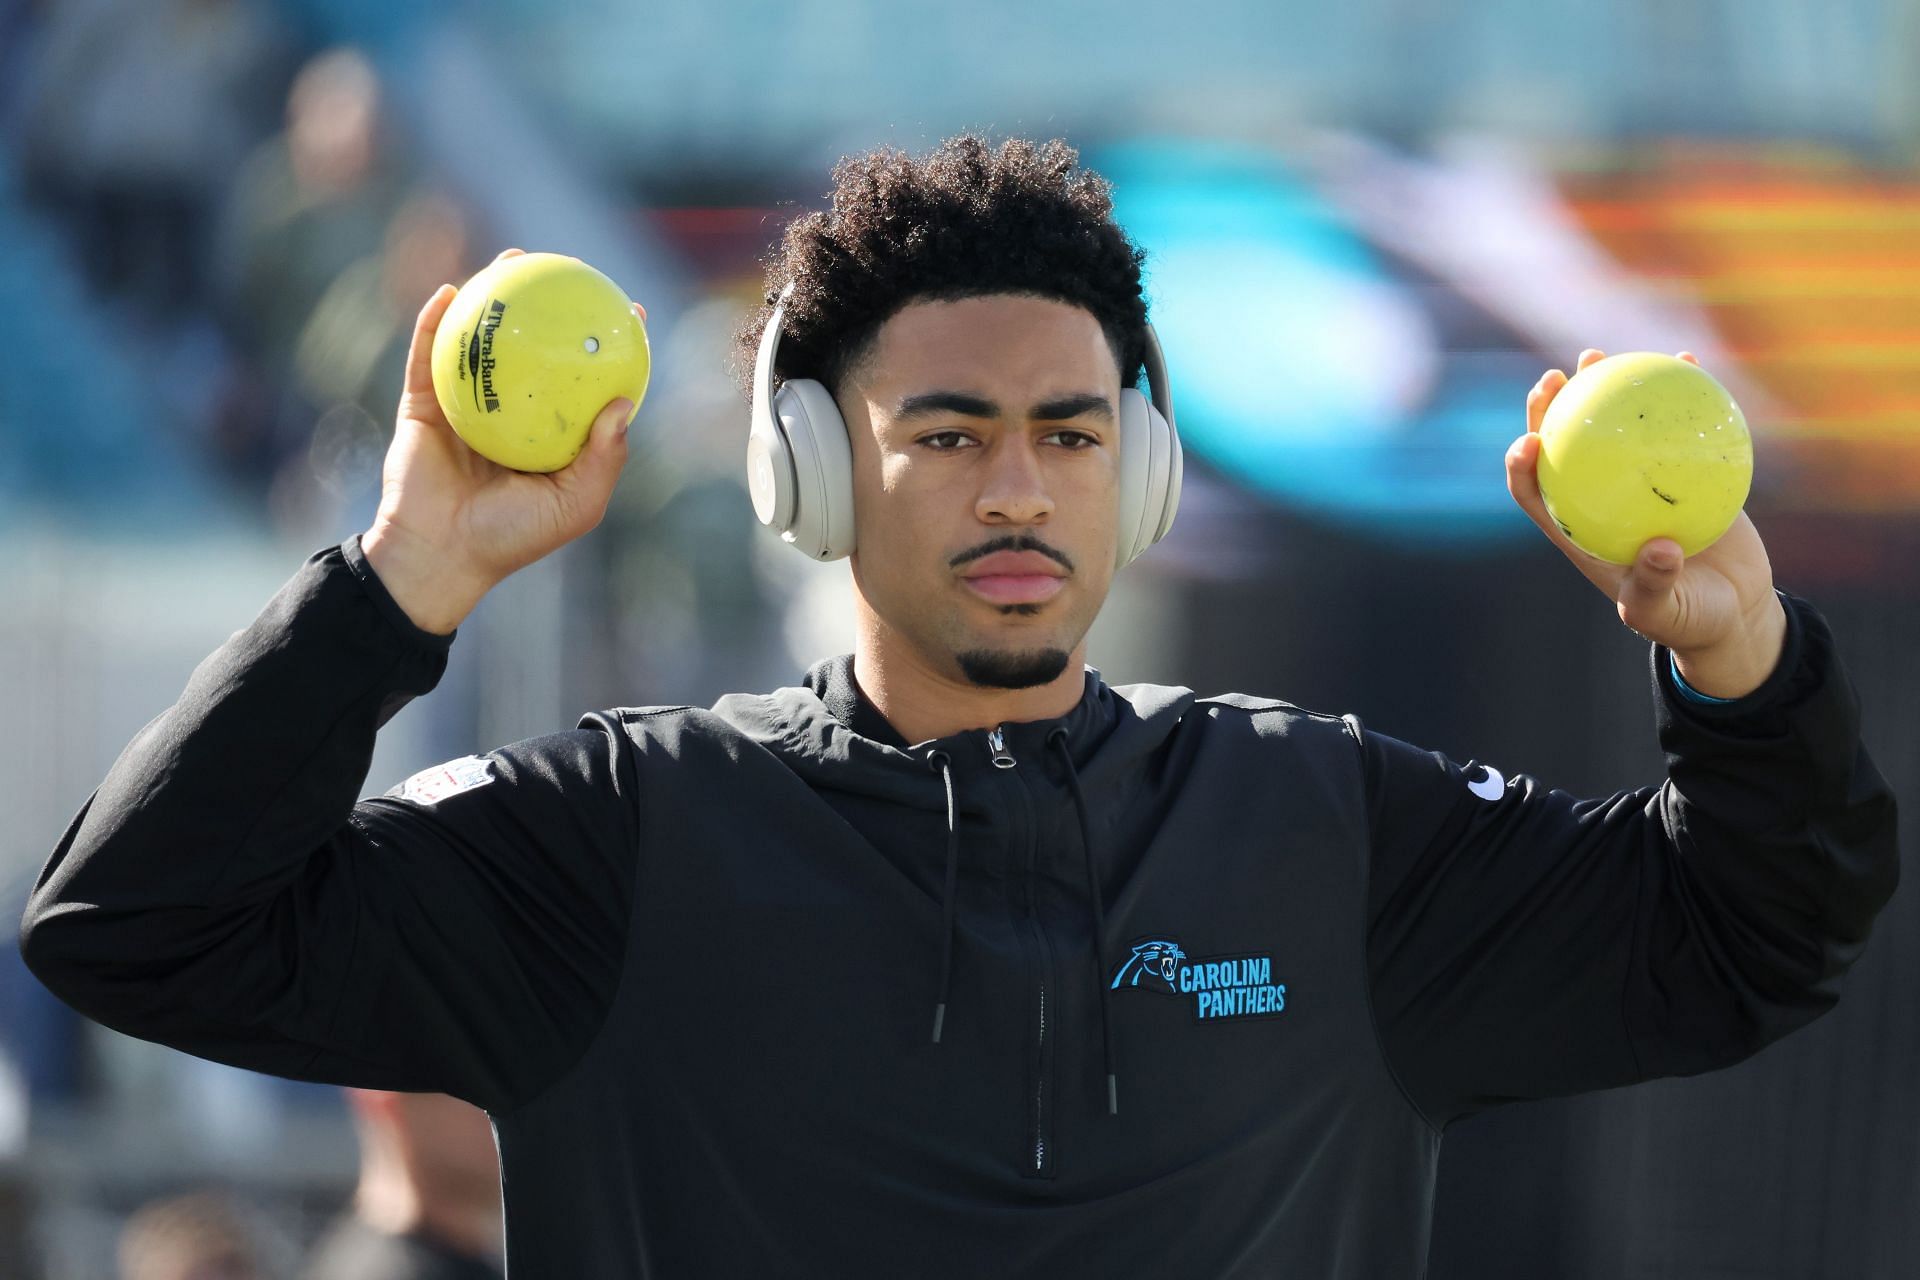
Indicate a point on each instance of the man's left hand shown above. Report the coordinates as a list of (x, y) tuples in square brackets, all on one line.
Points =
[(1716, 610)]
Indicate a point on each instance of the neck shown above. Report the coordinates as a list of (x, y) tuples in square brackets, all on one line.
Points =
[(921, 702), (389, 1202)]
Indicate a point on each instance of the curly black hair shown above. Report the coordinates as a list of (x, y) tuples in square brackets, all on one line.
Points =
[(964, 220)]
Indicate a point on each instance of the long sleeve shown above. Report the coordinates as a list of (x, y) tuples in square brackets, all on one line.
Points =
[(1523, 943), (222, 892)]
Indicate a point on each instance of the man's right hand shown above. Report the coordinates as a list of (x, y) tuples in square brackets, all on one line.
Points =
[(451, 524)]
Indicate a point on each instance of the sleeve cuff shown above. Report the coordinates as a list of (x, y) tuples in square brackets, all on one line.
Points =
[(1667, 674), (1687, 691), (390, 608)]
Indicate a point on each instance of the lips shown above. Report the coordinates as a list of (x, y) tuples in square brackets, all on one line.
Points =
[(1015, 577)]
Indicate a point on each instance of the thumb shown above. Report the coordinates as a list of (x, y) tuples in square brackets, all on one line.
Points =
[(1646, 595), (596, 470), (609, 434)]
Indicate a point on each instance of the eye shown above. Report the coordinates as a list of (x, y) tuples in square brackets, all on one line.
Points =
[(1074, 440), (946, 441)]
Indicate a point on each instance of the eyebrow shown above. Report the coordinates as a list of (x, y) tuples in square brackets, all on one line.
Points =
[(932, 403), (1073, 406)]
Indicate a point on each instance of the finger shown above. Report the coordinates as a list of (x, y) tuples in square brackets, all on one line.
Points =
[(1523, 482), (419, 381), (1647, 597), (1542, 395), (1690, 358), (1592, 355), (641, 312), (504, 254)]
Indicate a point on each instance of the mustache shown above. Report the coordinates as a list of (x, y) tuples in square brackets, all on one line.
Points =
[(1012, 542)]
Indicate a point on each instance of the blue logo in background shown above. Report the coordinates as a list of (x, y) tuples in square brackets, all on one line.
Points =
[(1222, 987)]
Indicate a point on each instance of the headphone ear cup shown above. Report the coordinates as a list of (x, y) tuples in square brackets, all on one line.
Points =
[(816, 435), (1151, 468), (1160, 457), (770, 475), (1136, 467), (1176, 475)]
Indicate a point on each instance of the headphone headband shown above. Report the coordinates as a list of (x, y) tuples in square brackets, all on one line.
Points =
[(1155, 363), (770, 341)]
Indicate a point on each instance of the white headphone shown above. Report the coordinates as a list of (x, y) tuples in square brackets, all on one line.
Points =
[(800, 464)]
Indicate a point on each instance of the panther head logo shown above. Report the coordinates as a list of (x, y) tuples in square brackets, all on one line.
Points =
[(1156, 960)]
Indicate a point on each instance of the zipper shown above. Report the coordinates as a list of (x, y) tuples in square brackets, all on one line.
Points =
[(997, 743), (1040, 1118), (1039, 1092)]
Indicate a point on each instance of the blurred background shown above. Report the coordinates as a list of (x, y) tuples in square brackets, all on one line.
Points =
[(1370, 226)]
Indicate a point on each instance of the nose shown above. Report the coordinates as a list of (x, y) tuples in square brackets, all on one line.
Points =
[(1013, 491)]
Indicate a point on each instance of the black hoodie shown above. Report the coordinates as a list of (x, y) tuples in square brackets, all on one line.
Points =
[(1168, 987)]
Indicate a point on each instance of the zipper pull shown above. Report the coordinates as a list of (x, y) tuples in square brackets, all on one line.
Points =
[(997, 743)]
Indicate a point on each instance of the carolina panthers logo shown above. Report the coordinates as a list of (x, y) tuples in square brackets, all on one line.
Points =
[(1221, 987), (1159, 959)]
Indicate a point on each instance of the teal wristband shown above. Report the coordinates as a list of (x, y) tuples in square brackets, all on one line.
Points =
[(1688, 691)]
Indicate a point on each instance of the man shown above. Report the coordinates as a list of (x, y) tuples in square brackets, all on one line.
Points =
[(428, 1203), (956, 960)]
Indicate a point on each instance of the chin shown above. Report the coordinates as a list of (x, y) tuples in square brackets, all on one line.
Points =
[(1012, 668)]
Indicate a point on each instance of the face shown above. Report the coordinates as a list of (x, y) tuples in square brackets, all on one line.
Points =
[(986, 463)]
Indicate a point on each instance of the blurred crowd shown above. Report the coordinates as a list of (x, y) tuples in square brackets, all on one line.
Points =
[(427, 1207), (259, 227), (244, 211), (251, 216)]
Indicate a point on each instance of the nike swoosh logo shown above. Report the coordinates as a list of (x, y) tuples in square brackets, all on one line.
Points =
[(1491, 787)]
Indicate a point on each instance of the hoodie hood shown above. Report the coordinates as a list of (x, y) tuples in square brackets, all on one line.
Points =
[(829, 733), (832, 736)]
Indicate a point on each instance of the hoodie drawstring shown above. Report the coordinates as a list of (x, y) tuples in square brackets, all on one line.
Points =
[(939, 760), (941, 763), (1058, 737)]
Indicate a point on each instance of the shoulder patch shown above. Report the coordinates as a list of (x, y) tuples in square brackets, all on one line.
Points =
[(1255, 705), (1489, 785), (431, 786)]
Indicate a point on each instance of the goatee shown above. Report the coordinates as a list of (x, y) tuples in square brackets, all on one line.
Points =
[(995, 669)]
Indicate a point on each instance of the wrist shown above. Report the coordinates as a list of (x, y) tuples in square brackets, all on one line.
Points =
[(433, 589), (1738, 665)]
